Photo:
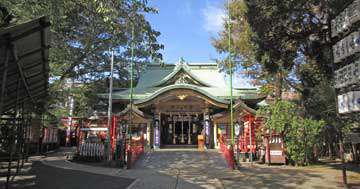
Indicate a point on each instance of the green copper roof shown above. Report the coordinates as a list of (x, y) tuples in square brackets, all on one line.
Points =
[(155, 81), (195, 88)]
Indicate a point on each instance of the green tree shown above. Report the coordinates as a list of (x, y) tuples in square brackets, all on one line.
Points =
[(300, 134), (285, 44), (288, 47), (83, 32)]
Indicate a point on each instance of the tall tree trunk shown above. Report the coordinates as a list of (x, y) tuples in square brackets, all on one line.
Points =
[(278, 86), (315, 153), (355, 155), (330, 151), (306, 160), (278, 94)]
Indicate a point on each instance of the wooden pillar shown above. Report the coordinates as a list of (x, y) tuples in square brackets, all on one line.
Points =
[(174, 129), (189, 129), (182, 130), (160, 133)]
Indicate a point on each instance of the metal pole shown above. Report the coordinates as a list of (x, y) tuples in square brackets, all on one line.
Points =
[(231, 75), (250, 125), (131, 81), (108, 150)]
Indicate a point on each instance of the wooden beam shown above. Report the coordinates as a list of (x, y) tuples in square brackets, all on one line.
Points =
[(3, 83), (16, 60), (31, 31), (41, 49), (43, 23)]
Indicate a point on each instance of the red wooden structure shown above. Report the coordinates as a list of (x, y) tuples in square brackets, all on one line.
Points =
[(227, 152), (245, 146), (98, 129)]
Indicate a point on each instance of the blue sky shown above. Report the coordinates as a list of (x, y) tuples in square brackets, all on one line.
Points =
[(187, 27)]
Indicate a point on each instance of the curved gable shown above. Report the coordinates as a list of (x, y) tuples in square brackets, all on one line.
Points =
[(202, 93), (181, 74)]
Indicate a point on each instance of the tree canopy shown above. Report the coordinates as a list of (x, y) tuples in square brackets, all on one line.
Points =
[(83, 33), (286, 46)]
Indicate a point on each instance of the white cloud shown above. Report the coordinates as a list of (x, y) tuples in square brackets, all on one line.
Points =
[(239, 81), (242, 82), (214, 17)]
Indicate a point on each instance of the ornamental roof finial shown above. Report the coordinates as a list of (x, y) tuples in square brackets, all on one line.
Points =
[(180, 64), (182, 60)]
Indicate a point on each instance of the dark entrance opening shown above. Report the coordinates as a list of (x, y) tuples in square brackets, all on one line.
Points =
[(180, 129)]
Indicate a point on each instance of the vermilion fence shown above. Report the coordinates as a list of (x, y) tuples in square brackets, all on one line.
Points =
[(228, 153), (134, 151)]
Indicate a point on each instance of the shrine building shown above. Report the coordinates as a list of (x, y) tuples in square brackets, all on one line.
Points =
[(174, 103)]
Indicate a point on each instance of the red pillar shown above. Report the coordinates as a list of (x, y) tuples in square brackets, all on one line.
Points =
[(252, 133), (113, 134)]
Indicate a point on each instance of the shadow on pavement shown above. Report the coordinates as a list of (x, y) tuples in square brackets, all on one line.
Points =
[(41, 176)]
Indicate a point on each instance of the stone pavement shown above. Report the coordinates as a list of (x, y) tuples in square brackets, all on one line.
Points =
[(178, 168), (187, 169), (193, 169), (54, 172)]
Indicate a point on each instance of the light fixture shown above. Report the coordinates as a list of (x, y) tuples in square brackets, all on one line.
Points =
[(182, 97)]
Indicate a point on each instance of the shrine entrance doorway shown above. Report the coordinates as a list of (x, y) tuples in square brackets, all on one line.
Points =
[(181, 115), (181, 129)]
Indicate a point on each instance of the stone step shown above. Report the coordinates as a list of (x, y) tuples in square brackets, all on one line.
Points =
[(179, 146)]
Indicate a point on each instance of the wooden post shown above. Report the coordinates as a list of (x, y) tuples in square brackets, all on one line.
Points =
[(344, 176), (173, 123), (182, 130), (160, 133), (4, 78), (250, 137), (189, 129)]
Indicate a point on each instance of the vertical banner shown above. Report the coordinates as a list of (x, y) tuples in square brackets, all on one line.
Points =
[(156, 134), (207, 132)]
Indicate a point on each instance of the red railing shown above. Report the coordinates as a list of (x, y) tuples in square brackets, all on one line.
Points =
[(228, 153), (134, 151)]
